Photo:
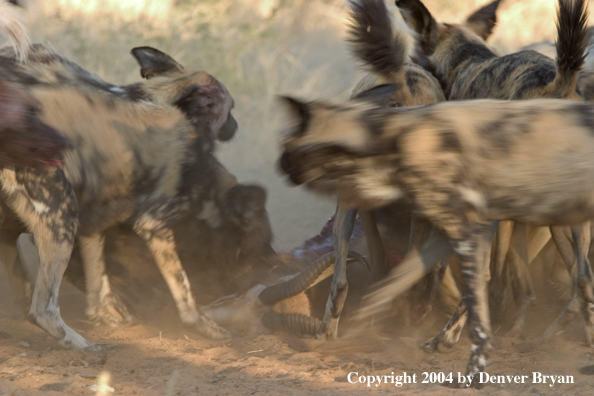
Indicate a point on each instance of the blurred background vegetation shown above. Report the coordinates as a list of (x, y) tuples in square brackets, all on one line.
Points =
[(258, 49)]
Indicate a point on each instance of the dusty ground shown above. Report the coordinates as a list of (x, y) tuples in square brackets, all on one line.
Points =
[(163, 358)]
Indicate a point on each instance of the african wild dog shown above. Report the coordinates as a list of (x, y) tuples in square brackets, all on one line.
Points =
[(467, 69), (203, 100), (461, 164), (142, 164), (383, 54), (166, 82)]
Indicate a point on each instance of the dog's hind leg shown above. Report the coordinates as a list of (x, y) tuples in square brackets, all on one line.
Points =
[(344, 222), (499, 285), (581, 239), (103, 306), (474, 252), (450, 334), (45, 202), (566, 246), (161, 243)]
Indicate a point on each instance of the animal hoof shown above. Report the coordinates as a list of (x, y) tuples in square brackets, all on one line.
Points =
[(210, 329), (113, 312)]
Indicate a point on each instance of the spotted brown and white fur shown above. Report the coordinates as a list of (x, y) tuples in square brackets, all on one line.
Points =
[(199, 95), (461, 165), (468, 69), (141, 164)]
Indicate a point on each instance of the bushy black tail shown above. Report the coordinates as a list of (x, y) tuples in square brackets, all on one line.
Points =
[(571, 45), (373, 41)]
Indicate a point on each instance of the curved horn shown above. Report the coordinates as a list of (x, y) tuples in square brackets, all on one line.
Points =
[(307, 278), (296, 324)]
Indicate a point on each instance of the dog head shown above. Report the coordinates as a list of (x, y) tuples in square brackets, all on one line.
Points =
[(24, 139), (326, 147), (204, 100), (443, 45)]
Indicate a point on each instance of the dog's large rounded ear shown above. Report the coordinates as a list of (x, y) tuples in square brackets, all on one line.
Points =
[(380, 95), (419, 19), (483, 20), (298, 112), (295, 106), (154, 62)]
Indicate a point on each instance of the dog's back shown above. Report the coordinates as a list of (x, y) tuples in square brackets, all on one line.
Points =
[(468, 69)]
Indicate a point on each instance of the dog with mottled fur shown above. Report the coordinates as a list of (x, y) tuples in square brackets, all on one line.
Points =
[(468, 69), (137, 163), (461, 165), (199, 95)]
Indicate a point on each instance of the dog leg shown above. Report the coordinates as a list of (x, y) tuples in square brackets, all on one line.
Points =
[(581, 240), (450, 334), (523, 292), (561, 237), (500, 285), (161, 243), (45, 202), (344, 222), (103, 306), (474, 258)]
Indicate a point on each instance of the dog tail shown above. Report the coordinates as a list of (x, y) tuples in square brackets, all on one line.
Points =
[(571, 45), (373, 41), (11, 24)]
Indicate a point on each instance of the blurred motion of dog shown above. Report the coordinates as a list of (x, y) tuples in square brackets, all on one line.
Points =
[(458, 189), (468, 69)]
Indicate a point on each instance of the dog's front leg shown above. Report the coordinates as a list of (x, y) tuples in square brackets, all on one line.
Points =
[(103, 306), (161, 243), (474, 252), (344, 222)]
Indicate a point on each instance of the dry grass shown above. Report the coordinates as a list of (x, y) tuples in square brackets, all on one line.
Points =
[(258, 49)]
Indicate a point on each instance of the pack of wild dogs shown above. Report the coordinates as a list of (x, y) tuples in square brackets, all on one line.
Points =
[(470, 155)]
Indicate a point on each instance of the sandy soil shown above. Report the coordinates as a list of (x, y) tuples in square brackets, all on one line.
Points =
[(162, 357)]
